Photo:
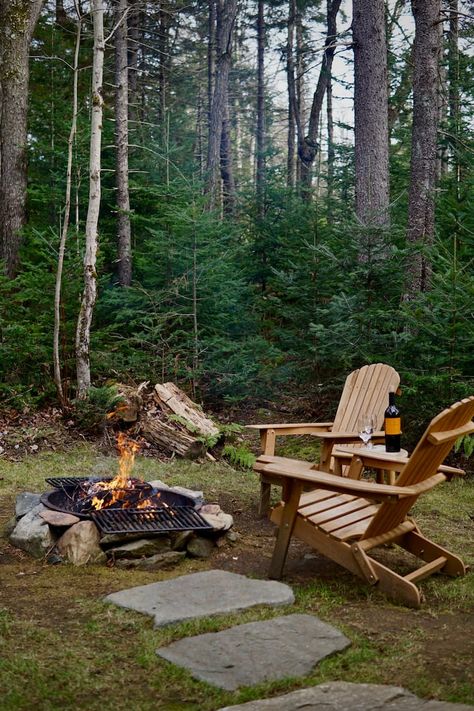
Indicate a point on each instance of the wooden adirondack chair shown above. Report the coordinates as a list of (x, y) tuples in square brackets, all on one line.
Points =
[(345, 518), (365, 390)]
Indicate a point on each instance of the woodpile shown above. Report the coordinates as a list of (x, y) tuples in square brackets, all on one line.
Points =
[(167, 418)]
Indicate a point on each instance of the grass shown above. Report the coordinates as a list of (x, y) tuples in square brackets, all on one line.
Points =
[(62, 648)]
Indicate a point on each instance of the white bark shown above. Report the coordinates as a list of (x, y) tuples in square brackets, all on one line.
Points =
[(90, 257)]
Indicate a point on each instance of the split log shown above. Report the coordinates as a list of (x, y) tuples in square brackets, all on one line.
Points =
[(172, 399), (170, 439)]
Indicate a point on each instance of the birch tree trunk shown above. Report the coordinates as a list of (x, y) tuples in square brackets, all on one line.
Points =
[(421, 203), (89, 293), (226, 14), (17, 23), (371, 112), (66, 219), (124, 237)]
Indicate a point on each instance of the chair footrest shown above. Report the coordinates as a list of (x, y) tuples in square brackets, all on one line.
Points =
[(426, 570)]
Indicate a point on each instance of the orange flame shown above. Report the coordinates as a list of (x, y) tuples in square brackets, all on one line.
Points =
[(127, 449)]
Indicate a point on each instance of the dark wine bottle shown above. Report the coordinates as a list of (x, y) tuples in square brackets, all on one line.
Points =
[(393, 429)]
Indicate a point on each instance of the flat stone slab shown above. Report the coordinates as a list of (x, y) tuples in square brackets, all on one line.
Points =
[(249, 654), (57, 518), (345, 696), (201, 594)]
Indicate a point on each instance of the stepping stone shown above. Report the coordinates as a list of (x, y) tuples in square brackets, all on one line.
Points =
[(257, 651), (344, 696), (201, 594)]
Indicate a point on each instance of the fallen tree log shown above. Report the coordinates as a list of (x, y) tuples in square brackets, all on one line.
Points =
[(169, 438), (172, 399)]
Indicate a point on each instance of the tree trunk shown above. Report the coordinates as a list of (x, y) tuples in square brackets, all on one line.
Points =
[(227, 170), (226, 14), (124, 237), (291, 82), (211, 58), (89, 293), (163, 50), (260, 147), (308, 145), (331, 151), (400, 96), (17, 22), (453, 95), (421, 204), (371, 112), (133, 21), (67, 211), (300, 86)]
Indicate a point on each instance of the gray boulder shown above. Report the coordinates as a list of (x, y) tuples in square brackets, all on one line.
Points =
[(142, 548), (25, 502), (154, 562), (80, 544), (200, 547), (32, 534)]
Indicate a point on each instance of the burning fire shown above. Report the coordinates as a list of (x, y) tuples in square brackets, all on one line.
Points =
[(105, 494)]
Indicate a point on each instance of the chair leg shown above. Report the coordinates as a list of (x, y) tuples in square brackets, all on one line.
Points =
[(264, 502), (293, 493), (392, 584), (415, 543)]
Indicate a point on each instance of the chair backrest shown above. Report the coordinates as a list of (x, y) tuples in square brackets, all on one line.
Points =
[(430, 452), (365, 390)]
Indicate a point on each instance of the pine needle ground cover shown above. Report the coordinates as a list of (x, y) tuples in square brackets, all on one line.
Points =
[(61, 647)]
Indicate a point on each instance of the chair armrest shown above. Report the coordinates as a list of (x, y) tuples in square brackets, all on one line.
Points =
[(268, 433), (331, 482), (384, 460), (451, 471), (346, 436), (282, 429)]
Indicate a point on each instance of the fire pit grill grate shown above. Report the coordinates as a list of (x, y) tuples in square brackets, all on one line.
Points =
[(59, 482), (178, 518)]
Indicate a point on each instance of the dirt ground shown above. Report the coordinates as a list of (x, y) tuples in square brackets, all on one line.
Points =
[(445, 640), (442, 640)]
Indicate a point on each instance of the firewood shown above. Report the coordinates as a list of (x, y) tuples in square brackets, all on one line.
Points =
[(172, 399), (170, 439)]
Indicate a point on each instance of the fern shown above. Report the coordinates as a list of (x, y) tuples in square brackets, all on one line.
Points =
[(465, 443), (239, 456)]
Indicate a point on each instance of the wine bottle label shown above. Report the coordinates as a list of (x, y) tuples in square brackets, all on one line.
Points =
[(393, 426)]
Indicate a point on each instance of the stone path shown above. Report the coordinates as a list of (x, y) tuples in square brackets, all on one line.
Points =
[(251, 653), (200, 595), (254, 652), (344, 696)]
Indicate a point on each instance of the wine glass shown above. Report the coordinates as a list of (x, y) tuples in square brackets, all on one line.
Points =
[(365, 426)]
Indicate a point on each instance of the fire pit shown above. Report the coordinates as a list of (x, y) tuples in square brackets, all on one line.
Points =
[(137, 507), (82, 498), (123, 504), (152, 526)]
